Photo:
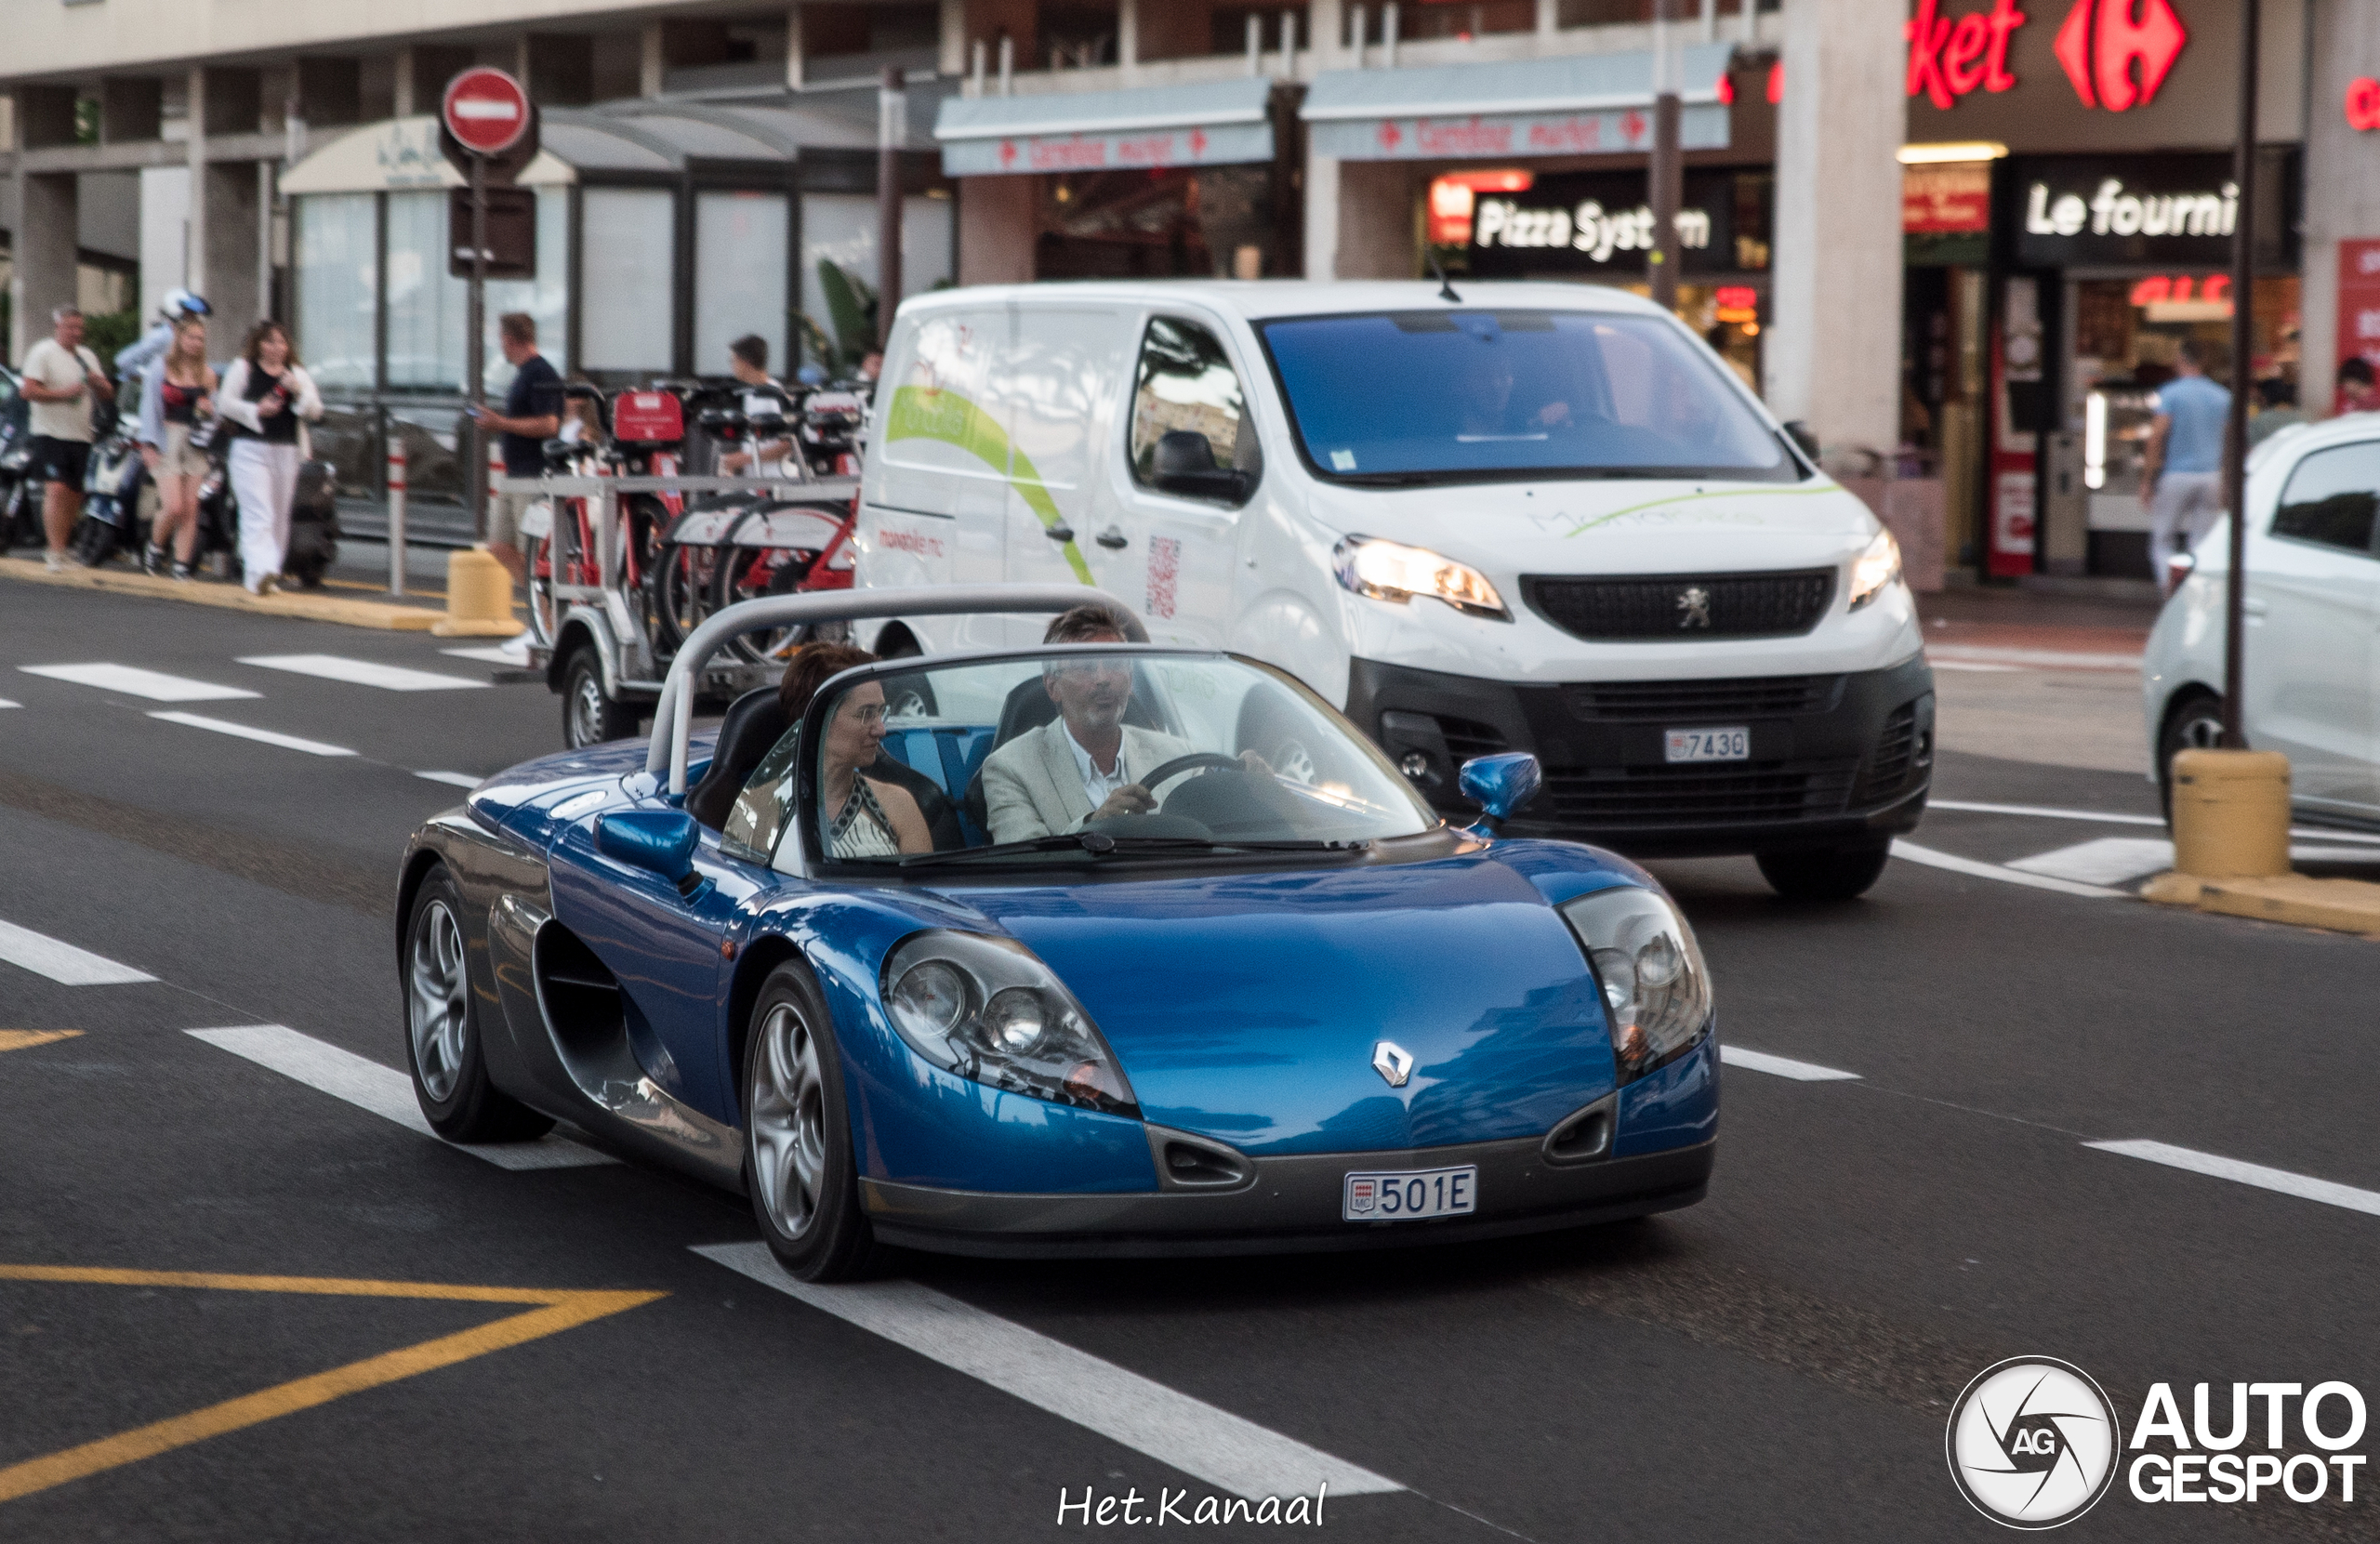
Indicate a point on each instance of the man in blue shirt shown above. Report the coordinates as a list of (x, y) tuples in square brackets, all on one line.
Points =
[(532, 416), (2181, 481)]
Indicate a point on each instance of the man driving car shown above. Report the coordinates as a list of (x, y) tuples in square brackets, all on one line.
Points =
[(1083, 765)]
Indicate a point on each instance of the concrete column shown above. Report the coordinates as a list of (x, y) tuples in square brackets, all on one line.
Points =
[(194, 264), (49, 214), (996, 230), (1834, 341), (793, 45), (231, 248), (406, 89), (1128, 39), (952, 41), (2342, 185), (1325, 25), (1549, 14), (1322, 217), (1375, 220), (653, 62)]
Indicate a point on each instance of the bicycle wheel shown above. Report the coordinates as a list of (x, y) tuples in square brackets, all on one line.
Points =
[(679, 594)]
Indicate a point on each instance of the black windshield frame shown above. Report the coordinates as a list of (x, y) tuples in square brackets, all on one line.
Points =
[(1792, 466)]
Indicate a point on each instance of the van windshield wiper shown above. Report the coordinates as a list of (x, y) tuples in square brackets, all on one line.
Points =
[(1101, 844)]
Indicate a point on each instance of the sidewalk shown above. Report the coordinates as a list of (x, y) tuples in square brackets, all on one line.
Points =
[(342, 605)]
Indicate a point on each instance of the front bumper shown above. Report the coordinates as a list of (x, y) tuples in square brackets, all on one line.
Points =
[(1836, 759), (1291, 1206)]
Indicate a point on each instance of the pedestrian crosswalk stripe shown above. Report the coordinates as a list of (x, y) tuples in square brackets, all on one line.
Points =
[(2102, 859), (62, 963), (133, 682), (5, 703), (379, 1090), (363, 672), (1782, 1066), (262, 737), (2302, 1185), (1956, 864)]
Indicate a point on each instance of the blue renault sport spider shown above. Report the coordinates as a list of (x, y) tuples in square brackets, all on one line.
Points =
[(898, 974)]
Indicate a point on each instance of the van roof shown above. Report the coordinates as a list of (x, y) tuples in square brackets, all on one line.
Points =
[(1260, 298)]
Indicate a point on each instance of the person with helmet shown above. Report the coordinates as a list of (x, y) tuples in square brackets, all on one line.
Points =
[(135, 357)]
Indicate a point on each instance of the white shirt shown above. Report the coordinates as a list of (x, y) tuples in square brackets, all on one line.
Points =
[(54, 367), (1097, 783)]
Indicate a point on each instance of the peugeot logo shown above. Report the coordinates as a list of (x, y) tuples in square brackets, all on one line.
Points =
[(1393, 1061), (1695, 601)]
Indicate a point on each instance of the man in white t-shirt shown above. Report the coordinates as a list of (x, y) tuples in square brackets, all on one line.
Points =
[(62, 379)]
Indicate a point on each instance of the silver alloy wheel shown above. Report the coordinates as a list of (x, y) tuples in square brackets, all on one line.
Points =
[(2202, 732), (789, 1121), (437, 1000), (587, 711)]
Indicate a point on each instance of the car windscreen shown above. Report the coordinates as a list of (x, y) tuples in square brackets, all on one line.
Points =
[(1080, 754), (1405, 397)]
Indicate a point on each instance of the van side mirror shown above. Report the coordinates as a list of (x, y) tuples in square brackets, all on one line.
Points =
[(1183, 463), (1804, 439), (1500, 785)]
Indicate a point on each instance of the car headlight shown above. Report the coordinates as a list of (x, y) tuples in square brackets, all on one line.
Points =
[(985, 1008), (1391, 571), (1654, 985), (1874, 569)]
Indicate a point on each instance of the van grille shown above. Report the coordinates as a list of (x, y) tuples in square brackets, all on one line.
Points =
[(1688, 702), (1736, 605), (1622, 798), (1896, 753)]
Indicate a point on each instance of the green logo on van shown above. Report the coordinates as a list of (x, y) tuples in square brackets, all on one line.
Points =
[(920, 413)]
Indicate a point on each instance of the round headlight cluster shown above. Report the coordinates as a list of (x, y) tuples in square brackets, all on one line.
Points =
[(985, 1008), (1656, 989)]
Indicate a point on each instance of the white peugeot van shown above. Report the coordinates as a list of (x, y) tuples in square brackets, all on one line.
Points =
[(1543, 518)]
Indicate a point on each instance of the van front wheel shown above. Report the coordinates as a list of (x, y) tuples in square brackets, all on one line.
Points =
[(1825, 873)]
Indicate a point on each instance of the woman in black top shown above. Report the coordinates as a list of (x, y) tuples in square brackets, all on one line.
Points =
[(267, 398)]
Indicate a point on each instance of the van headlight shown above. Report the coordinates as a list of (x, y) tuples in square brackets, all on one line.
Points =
[(985, 1008), (1391, 571), (1874, 569), (1656, 989)]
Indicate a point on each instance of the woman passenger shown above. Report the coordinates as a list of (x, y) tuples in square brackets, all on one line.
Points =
[(865, 817), (176, 397)]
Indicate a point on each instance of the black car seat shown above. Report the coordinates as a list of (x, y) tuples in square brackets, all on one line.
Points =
[(942, 815), (1029, 706), (754, 722)]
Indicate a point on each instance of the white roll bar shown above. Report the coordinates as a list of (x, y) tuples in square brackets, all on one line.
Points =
[(673, 716)]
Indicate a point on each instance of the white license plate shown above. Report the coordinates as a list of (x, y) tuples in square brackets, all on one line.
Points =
[(1709, 745), (1409, 1194)]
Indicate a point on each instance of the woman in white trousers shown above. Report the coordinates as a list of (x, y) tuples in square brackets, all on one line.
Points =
[(269, 399)]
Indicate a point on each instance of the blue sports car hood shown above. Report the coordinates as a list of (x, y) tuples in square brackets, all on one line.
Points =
[(1247, 1006)]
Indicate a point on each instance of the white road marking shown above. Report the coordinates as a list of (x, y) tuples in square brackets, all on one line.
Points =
[(379, 1090), (62, 963), (516, 653), (1782, 1066), (362, 672), (262, 737), (153, 684), (5, 703), (1931, 859), (2282, 1179), (2102, 859), (1969, 665), (459, 779), (2039, 659), (1223, 1450), (2105, 817)]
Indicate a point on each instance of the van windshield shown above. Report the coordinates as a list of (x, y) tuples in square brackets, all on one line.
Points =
[(1457, 396)]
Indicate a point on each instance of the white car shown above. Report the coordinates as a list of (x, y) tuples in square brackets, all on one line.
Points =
[(2312, 650), (1539, 518)]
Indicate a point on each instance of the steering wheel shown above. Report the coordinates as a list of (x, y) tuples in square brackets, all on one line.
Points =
[(1191, 762)]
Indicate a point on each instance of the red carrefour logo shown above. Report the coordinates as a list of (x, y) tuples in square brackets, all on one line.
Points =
[(2363, 104), (2102, 41)]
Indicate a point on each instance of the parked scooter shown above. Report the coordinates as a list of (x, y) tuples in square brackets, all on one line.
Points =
[(111, 521)]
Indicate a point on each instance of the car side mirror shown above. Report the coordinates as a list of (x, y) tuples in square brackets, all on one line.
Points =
[(1183, 463), (660, 841), (1500, 785), (1804, 439)]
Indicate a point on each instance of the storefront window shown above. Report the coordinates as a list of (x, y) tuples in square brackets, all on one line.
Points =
[(428, 305), (739, 275), (336, 283), (840, 229), (626, 269), (1159, 224)]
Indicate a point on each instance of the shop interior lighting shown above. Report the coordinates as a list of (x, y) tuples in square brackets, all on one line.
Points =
[(2094, 440), (1952, 149)]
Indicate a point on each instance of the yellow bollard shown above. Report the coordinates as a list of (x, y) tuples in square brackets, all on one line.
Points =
[(479, 597), (2231, 814)]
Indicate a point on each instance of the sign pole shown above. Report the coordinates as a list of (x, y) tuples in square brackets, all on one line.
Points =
[(1667, 170), (891, 129), (475, 346), (2243, 380)]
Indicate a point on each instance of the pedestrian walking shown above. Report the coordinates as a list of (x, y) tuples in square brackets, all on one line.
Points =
[(532, 416), (176, 396), (2357, 393), (63, 382), (747, 360), (2181, 481), (135, 357), (269, 399)]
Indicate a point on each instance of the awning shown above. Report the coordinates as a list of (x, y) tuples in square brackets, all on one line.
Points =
[(397, 154), (1582, 104), (1210, 123)]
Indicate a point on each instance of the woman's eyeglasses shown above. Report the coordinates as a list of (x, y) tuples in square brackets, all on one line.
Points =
[(868, 714)]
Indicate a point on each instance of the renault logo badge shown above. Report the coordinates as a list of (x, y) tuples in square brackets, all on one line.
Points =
[(1695, 601), (1393, 1061)]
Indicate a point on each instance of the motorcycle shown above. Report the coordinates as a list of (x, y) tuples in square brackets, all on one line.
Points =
[(111, 520), (19, 494)]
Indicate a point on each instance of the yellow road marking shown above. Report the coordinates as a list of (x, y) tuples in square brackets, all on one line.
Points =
[(25, 1039), (554, 1311)]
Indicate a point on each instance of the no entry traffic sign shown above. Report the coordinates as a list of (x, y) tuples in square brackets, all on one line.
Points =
[(486, 111)]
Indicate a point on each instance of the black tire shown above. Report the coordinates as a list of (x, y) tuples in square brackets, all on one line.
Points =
[(2193, 723), (442, 1009), (794, 1106), (1825, 873), (589, 715)]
